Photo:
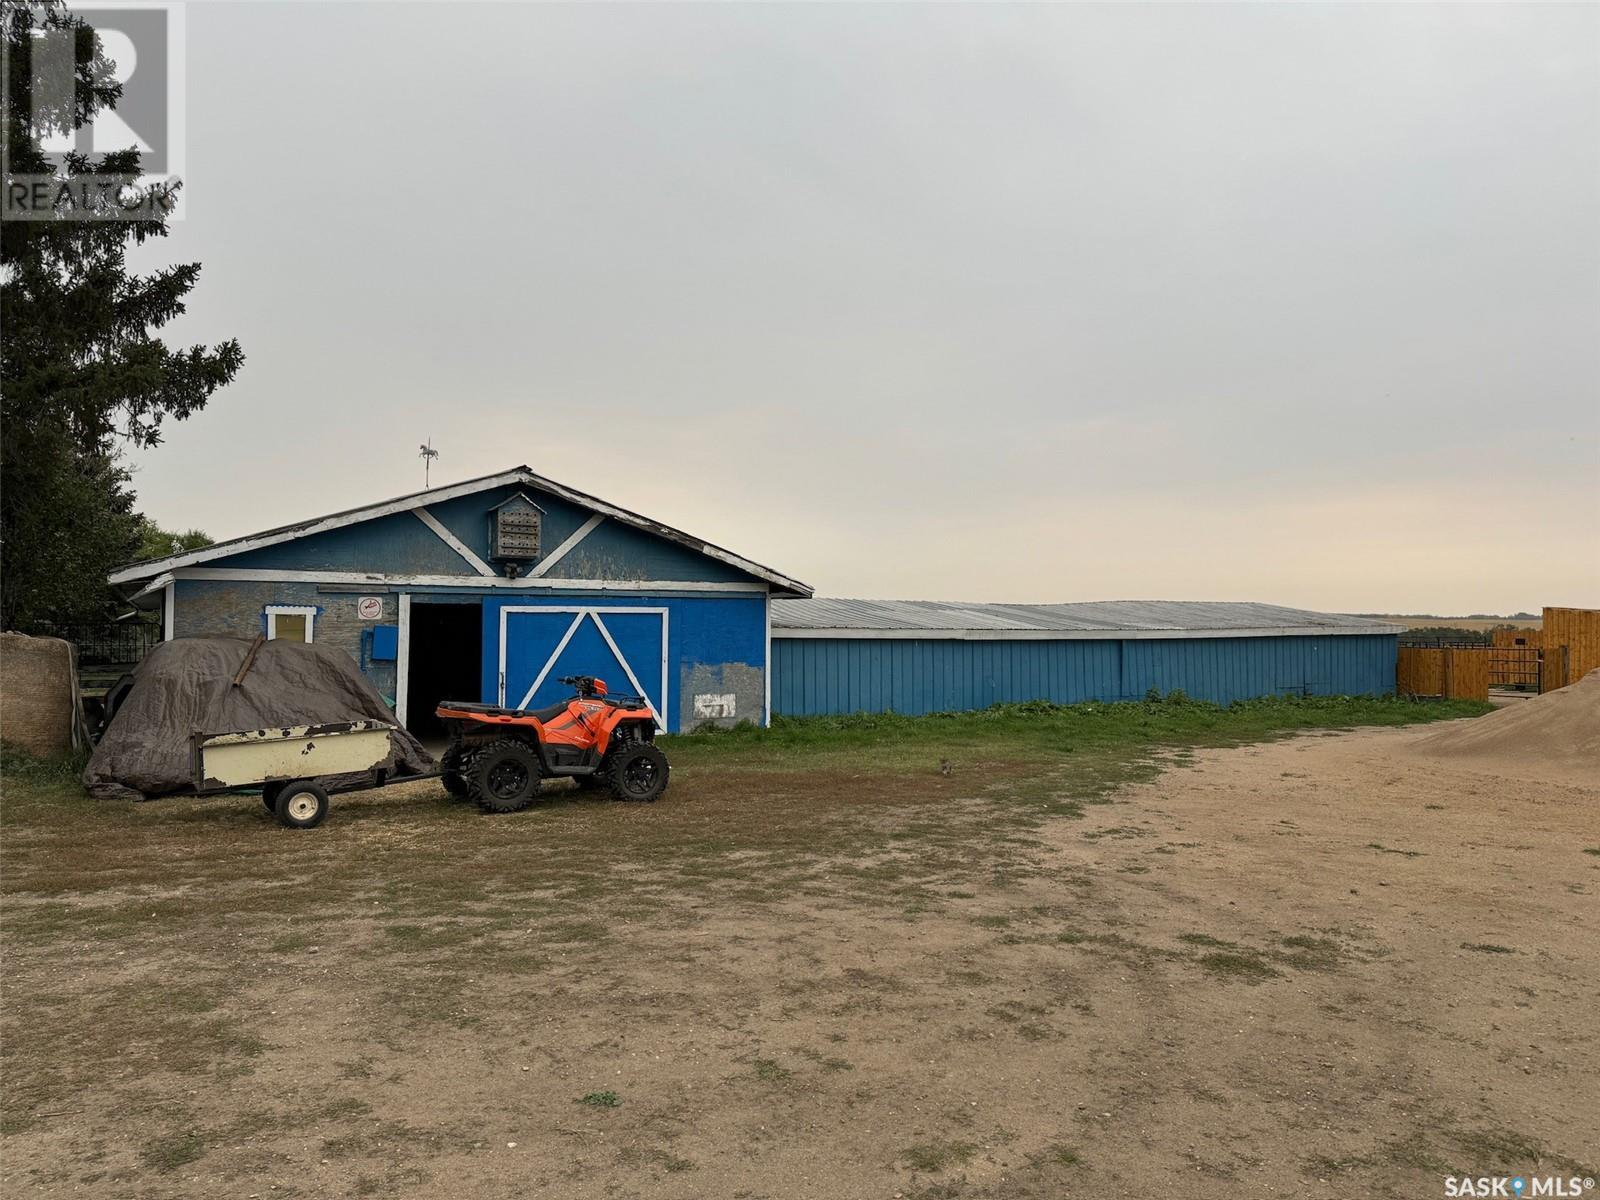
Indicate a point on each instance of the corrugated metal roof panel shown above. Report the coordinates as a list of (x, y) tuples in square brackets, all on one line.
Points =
[(1174, 618)]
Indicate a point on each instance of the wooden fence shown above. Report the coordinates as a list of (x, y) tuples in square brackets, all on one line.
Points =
[(1563, 652), (1466, 674), (1571, 645), (1515, 667), (1454, 673), (1505, 639)]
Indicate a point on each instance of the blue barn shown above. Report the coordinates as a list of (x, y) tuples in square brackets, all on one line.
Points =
[(493, 590), (496, 588), (915, 657)]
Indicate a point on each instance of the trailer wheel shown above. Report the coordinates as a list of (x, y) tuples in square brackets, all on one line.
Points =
[(302, 805), (639, 772), (504, 776), (269, 796)]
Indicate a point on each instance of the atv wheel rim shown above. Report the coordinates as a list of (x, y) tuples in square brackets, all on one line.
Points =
[(507, 780), (639, 777), (303, 806)]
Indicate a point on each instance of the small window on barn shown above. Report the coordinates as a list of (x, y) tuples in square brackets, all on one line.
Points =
[(290, 622)]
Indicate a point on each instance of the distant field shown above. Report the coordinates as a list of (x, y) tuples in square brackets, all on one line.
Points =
[(1477, 626)]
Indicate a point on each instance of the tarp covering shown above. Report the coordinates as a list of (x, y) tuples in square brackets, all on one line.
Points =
[(185, 687)]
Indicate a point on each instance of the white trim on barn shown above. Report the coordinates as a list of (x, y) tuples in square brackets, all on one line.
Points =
[(402, 659), (470, 582), (562, 550), (169, 608), (274, 611), (455, 543), (135, 572), (592, 612), (288, 533)]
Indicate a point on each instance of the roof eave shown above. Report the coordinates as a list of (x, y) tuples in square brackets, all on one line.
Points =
[(1068, 635), (781, 584)]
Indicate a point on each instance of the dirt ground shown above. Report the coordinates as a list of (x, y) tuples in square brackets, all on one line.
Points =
[(1316, 967)]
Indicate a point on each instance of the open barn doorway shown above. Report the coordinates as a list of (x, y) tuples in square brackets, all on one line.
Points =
[(446, 660)]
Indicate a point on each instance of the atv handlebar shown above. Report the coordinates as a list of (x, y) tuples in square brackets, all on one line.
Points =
[(584, 685), (589, 687)]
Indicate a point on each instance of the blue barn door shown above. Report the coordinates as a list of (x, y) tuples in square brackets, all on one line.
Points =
[(626, 647)]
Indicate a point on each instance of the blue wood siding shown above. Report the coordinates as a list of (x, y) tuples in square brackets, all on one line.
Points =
[(618, 551), (468, 517), (813, 676), (398, 544), (401, 544)]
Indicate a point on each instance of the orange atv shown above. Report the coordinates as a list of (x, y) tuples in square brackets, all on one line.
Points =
[(499, 756)]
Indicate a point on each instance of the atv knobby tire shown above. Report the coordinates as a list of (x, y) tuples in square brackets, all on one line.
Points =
[(503, 777), (638, 772), (453, 767)]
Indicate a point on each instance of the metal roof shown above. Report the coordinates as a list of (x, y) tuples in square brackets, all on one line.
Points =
[(826, 617)]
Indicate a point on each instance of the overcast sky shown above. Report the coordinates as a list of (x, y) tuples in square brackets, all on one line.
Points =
[(1260, 302)]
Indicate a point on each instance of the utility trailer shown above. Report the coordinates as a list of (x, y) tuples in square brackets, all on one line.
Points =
[(298, 767)]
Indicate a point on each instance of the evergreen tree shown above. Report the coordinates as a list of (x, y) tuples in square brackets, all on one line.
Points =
[(82, 374)]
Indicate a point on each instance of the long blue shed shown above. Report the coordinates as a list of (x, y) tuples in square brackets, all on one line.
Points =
[(915, 657)]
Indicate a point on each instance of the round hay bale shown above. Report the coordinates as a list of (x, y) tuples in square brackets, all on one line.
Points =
[(38, 693)]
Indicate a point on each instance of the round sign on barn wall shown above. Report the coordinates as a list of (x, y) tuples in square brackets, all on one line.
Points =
[(369, 608)]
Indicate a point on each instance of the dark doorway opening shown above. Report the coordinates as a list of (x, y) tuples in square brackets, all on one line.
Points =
[(446, 661)]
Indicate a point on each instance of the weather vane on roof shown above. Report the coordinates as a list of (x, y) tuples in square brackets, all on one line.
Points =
[(428, 455)]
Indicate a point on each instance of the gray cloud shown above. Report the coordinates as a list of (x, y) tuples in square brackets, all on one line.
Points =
[(1283, 302)]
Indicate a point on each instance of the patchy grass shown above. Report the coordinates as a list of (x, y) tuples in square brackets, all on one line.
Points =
[(1307, 953), (1204, 939), (601, 1100), (1247, 966), (932, 1157), (768, 1071), (1487, 948), (1061, 1155), (889, 741), (174, 1151)]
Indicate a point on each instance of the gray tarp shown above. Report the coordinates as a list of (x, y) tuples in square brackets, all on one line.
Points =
[(186, 687)]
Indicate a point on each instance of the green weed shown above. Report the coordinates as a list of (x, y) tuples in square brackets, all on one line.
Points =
[(938, 1156), (1248, 967), (173, 1151)]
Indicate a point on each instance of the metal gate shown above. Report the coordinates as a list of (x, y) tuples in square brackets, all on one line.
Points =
[(1514, 667)]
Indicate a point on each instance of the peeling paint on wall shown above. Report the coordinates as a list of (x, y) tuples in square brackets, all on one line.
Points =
[(709, 706), (720, 694)]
